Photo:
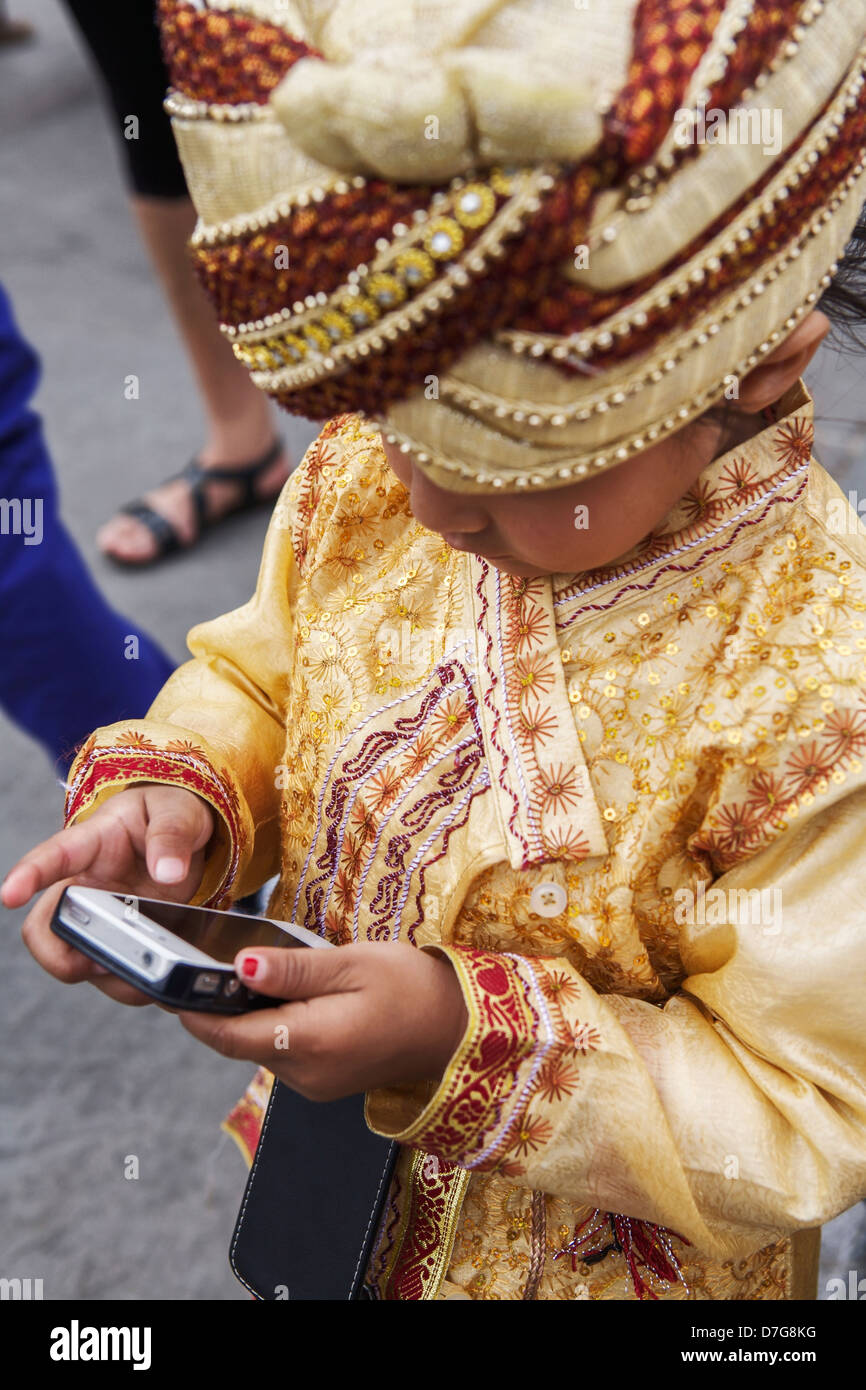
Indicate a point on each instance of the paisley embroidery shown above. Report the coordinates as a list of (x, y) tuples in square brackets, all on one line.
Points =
[(395, 791)]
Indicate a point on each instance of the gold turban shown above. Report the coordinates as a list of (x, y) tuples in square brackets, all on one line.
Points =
[(526, 237)]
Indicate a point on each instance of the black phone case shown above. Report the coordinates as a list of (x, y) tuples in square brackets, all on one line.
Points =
[(313, 1200)]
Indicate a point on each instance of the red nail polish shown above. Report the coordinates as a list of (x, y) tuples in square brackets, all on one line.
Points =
[(250, 966)]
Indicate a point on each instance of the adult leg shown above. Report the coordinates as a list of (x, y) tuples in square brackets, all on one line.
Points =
[(124, 42), (238, 416)]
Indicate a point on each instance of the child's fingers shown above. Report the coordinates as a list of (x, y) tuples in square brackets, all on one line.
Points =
[(119, 990), (253, 1037), (54, 955), (67, 854), (178, 824), (296, 973)]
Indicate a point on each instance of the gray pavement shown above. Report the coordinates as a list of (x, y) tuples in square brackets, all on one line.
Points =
[(84, 1083)]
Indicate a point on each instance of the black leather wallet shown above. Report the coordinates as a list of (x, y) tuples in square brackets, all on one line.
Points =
[(313, 1200)]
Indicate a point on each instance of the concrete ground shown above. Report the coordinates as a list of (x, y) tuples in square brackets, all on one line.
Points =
[(84, 1083)]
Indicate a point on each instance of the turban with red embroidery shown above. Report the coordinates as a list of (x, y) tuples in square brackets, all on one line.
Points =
[(526, 237)]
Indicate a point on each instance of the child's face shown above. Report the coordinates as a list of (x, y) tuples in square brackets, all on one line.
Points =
[(541, 533)]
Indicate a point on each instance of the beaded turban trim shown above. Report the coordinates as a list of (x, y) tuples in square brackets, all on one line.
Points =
[(527, 238)]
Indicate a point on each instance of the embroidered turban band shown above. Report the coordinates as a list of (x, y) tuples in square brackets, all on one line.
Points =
[(527, 238)]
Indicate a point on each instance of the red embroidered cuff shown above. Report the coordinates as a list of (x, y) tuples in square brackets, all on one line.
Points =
[(114, 757), (470, 1117)]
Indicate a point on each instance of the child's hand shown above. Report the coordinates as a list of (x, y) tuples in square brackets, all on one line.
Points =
[(148, 841), (363, 1016)]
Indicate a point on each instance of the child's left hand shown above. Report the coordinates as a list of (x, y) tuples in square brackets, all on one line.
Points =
[(361, 1016)]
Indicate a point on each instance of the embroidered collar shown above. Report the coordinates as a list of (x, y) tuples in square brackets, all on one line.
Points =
[(741, 488), (544, 797)]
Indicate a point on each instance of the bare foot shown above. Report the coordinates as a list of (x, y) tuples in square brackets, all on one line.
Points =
[(128, 539)]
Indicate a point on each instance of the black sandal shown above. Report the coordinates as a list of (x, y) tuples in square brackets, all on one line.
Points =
[(162, 530)]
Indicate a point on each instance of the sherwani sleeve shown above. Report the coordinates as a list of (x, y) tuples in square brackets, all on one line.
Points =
[(734, 1111), (217, 727)]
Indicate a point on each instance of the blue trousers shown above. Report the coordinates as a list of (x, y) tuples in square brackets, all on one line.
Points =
[(68, 662)]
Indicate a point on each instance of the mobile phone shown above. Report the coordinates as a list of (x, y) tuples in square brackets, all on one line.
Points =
[(180, 955)]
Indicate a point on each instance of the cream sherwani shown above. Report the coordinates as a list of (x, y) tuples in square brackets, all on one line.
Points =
[(629, 806)]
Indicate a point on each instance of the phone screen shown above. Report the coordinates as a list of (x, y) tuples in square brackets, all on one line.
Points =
[(219, 934)]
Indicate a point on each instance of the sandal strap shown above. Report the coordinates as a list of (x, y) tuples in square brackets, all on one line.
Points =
[(246, 475), (166, 537)]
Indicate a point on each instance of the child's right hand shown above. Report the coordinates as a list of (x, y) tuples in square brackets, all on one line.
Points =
[(147, 841)]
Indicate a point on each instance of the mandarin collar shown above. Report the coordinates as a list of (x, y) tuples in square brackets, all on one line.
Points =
[(738, 488)]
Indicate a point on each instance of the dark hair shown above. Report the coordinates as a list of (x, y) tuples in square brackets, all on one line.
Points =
[(844, 300)]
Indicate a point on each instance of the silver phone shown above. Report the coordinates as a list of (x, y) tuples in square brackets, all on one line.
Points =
[(180, 955)]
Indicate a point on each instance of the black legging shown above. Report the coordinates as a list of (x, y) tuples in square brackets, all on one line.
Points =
[(124, 40)]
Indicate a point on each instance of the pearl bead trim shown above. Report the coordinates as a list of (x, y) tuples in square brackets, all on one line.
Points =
[(262, 337), (189, 109), (645, 182), (500, 180), (418, 242), (581, 346), (570, 471), (558, 415), (276, 211)]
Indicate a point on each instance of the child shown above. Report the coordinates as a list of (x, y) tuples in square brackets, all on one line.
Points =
[(552, 669)]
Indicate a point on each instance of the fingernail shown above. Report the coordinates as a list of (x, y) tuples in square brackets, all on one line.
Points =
[(169, 870), (99, 969), (250, 967)]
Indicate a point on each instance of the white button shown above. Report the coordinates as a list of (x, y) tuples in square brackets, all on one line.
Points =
[(548, 899)]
